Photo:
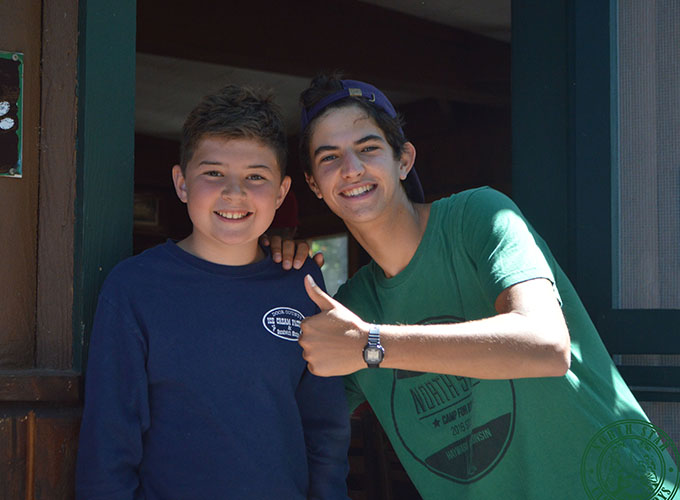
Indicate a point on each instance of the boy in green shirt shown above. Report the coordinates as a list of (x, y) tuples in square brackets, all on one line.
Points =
[(482, 389)]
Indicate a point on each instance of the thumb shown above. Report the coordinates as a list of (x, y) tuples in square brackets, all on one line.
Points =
[(318, 296)]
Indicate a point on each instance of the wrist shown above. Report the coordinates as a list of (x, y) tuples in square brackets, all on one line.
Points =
[(373, 352)]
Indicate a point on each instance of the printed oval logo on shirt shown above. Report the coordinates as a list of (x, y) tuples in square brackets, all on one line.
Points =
[(283, 322)]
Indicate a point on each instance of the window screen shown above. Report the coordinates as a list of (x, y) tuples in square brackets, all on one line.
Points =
[(647, 187)]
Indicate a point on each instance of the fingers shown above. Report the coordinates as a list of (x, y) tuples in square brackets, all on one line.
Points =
[(275, 244), (318, 296), (301, 254), (294, 253), (318, 258), (288, 252)]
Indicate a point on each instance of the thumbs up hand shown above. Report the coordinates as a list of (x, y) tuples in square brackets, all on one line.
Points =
[(332, 340)]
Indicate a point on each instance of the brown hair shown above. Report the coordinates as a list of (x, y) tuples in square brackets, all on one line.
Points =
[(236, 112), (327, 84)]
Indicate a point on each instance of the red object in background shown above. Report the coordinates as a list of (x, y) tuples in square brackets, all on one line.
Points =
[(287, 214)]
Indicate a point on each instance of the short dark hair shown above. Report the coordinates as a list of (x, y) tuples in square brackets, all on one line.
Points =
[(327, 84), (236, 112)]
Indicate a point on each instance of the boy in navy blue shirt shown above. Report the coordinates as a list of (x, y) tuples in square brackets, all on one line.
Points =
[(196, 387)]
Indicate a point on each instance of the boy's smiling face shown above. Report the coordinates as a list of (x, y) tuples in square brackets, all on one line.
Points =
[(353, 166), (232, 188)]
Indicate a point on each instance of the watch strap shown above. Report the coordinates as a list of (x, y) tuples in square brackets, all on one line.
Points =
[(374, 336), (373, 352)]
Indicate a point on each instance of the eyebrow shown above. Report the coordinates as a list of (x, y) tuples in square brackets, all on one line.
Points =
[(219, 163), (370, 137)]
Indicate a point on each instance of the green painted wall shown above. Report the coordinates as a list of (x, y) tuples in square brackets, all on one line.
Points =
[(106, 104)]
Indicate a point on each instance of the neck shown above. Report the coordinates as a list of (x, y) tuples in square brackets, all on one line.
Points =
[(392, 241), (226, 255)]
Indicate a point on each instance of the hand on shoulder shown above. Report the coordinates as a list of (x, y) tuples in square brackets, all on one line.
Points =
[(289, 252)]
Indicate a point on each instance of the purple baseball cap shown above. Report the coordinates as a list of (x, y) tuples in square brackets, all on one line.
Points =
[(354, 88)]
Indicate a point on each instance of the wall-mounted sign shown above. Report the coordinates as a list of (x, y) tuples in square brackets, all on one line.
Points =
[(11, 102)]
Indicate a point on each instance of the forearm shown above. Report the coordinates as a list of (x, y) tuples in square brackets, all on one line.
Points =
[(526, 338), (505, 346)]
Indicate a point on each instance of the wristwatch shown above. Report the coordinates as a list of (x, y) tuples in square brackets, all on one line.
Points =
[(373, 352)]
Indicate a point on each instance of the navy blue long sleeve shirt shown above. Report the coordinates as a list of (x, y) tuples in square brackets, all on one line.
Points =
[(196, 387)]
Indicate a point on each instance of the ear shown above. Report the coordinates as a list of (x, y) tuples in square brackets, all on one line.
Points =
[(283, 191), (313, 186), (407, 160), (180, 183)]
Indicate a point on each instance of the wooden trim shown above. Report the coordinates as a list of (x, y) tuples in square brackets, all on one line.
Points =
[(659, 377), (54, 335), (30, 456), (540, 121), (105, 156), (639, 331), (39, 386), (653, 383)]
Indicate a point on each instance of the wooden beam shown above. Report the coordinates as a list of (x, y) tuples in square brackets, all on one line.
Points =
[(54, 333), (39, 386), (386, 47)]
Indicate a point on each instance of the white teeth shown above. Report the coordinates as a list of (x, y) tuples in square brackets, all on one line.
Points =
[(358, 191), (232, 215)]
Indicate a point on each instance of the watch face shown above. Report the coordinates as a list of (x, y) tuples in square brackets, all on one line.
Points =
[(373, 355)]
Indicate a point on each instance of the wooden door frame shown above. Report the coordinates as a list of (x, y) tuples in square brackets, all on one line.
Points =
[(85, 185)]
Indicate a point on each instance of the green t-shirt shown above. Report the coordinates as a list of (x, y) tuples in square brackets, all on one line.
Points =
[(463, 438)]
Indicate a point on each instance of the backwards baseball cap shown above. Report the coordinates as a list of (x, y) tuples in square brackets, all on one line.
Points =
[(354, 88)]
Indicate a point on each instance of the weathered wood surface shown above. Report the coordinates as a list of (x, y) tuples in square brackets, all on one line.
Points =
[(54, 331), (37, 453), (27, 386), (19, 197)]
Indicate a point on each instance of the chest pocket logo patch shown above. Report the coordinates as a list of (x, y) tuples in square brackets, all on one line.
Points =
[(283, 322)]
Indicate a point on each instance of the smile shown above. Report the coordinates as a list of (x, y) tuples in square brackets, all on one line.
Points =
[(350, 193), (233, 215)]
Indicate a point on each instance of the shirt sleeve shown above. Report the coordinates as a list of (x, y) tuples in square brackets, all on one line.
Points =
[(326, 424), (500, 242), (116, 411)]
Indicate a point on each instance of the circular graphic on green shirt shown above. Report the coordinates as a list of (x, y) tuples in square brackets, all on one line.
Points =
[(457, 427), (630, 460)]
